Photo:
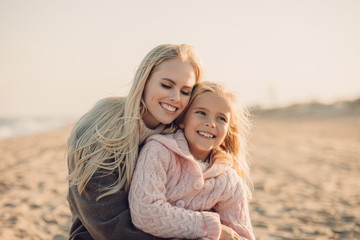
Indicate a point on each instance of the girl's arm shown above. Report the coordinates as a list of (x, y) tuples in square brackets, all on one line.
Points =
[(234, 212), (149, 208)]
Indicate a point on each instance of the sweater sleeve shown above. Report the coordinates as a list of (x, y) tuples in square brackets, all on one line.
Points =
[(234, 211), (149, 208), (107, 218)]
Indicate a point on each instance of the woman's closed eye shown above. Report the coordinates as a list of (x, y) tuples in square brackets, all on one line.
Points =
[(183, 92), (186, 93), (165, 85)]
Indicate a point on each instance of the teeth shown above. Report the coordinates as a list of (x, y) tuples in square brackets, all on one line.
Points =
[(206, 134), (169, 108)]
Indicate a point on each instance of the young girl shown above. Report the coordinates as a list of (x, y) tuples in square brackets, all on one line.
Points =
[(103, 145), (187, 183)]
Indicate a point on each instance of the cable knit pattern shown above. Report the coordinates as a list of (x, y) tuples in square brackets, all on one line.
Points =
[(171, 197)]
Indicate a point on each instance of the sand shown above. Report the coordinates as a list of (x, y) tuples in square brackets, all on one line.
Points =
[(305, 172), (33, 187), (306, 178)]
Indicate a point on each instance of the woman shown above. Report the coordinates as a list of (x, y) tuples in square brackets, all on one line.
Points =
[(103, 145)]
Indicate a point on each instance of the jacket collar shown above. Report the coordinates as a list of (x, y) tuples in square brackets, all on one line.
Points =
[(177, 143)]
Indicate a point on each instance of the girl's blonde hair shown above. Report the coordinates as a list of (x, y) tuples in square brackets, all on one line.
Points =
[(234, 147), (106, 139)]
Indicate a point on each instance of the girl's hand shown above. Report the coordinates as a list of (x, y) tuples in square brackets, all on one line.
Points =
[(228, 233)]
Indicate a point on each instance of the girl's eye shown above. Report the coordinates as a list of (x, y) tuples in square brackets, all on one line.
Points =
[(165, 86), (186, 93), (201, 113), (222, 119)]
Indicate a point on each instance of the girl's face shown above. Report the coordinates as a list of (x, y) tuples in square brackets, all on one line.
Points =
[(206, 124), (167, 91)]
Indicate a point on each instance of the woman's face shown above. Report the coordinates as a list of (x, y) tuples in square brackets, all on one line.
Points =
[(167, 91)]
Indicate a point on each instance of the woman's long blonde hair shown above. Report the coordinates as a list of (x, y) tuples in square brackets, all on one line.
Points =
[(106, 139), (234, 147)]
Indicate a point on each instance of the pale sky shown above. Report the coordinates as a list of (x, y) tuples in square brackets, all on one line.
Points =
[(57, 58)]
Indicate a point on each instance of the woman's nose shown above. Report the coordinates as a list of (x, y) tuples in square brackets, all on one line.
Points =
[(175, 96)]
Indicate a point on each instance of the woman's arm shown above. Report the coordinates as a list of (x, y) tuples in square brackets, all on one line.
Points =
[(107, 218), (149, 208)]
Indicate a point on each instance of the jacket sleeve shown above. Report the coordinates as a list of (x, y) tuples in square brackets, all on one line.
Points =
[(234, 211), (107, 218), (150, 210)]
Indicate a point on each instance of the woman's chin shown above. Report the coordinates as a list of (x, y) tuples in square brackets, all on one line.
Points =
[(167, 121)]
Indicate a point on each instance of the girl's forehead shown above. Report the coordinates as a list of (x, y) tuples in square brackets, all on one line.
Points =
[(213, 100), (211, 95)]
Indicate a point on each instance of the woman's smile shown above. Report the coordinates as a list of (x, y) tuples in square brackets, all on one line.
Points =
[(168, 107)]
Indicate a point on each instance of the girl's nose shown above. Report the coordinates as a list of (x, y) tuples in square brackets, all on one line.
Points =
[(210, 124)]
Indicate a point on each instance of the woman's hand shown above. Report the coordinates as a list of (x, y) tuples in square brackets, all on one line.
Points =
[(228, 233)]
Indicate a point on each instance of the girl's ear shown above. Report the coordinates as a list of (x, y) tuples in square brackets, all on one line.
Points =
[(181, 125)]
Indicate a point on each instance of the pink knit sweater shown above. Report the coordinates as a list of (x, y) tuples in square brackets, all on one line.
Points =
[(170, 196)]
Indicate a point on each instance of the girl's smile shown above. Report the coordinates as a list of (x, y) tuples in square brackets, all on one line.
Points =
[(206, 134)]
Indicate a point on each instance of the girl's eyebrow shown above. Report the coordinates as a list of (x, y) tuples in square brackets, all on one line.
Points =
[(200, 108), (224, 114), (173, 82)]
